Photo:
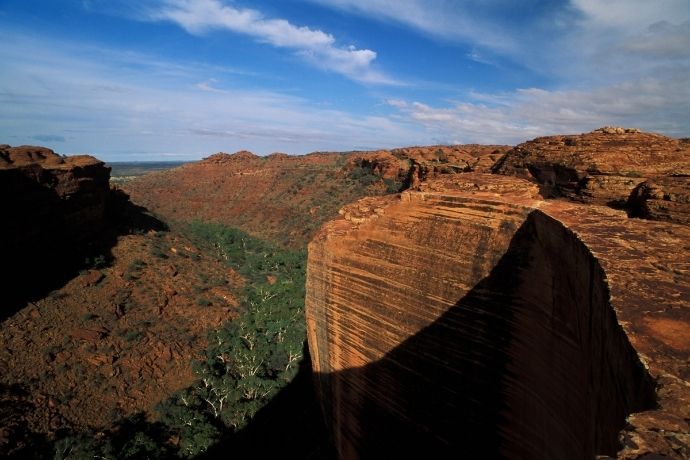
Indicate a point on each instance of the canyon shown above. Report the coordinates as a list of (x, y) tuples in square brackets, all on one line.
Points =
[(284, 198), (100, 309), (53, 206), (461, 301)]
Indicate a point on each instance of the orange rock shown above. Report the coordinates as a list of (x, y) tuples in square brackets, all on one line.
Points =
[(607, 167), (54, 207), (472, 318), (240, 190), (224, 294), (89, 335), (663, 198)]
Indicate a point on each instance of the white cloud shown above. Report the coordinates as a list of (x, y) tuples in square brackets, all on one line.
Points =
[(116, 104), (318, 47), (630, 14), (625, 40), (661, 40), (446, 19), (618, 61), (650, 104), (568, 41)]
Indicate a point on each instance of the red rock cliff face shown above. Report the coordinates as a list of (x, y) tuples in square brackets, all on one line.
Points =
[(40, 185), (52, 207), (473, 319), (286, 199)]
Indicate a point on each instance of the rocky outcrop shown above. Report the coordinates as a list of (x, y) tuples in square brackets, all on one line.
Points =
[(41, 187), (443, 159), (471, 318), (663, 198), (412, 165), (286, 198), (237, 157), (53, 206), (604, 167)]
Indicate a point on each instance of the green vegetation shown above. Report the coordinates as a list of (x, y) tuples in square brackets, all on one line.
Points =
[(393, 186), (132, 335), (203, 302), (248, 361), (253, 356), (365, 175)]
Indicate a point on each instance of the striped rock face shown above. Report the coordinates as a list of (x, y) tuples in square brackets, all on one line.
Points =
[(474, 319)]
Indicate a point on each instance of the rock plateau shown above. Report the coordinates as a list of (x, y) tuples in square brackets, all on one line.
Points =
[(287, 198)]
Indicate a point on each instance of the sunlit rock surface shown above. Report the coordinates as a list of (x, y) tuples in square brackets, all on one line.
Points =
[(648, 174), (474, 319)]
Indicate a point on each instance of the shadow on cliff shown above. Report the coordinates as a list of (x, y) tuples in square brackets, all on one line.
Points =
[(507, 372), (46, 241)]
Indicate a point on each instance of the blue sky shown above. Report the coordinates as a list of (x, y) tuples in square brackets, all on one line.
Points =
[(182, 79)]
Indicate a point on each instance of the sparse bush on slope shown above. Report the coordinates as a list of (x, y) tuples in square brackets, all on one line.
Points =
[(248, 361)]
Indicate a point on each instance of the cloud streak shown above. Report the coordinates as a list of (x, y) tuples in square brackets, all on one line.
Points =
[(564, 40), (650, 104), (315, 46), (624, 61), (137, 106), (449, 20)]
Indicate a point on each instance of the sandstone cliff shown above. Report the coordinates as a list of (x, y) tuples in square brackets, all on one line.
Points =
[(471, 318), (411, 165), (72, 189), (53, 207), (102, 310), (647, 174)]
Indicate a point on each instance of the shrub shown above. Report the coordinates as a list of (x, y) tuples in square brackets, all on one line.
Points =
[(252, 357), (203, 302)]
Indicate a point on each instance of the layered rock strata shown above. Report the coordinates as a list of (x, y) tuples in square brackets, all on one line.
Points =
[(618, 167), (474, 319)]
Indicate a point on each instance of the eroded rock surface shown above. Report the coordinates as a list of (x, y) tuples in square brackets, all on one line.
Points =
[(472, 318), (286, 198), (42, 186), (412, 165), (663, 198), (52, 207), (606, 167)]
